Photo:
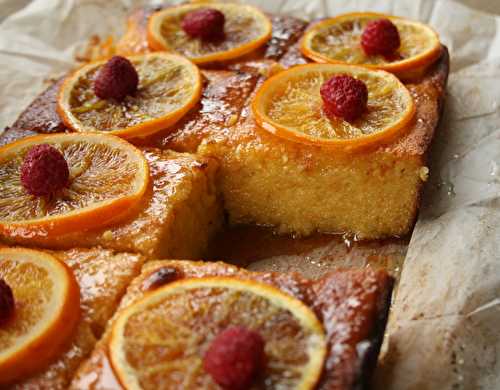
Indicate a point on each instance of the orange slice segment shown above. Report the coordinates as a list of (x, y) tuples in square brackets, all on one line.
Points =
[(246, 28), (108, 176), (289, 105), (169, 86), (337, 40), (47, 310), (163, 337)]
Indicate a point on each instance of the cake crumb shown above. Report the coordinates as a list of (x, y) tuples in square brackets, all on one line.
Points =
[(424, 173), (232, 120), (107, 235)]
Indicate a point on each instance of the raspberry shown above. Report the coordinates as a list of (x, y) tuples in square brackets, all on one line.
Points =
[(380, 37), (6, 302), (344, 97), (206, 23), (116, 79), (235, 357), (44, 171)]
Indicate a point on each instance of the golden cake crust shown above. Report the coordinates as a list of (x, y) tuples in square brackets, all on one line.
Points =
[(224, 96)]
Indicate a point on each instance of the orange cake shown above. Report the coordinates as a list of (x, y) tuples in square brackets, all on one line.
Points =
[(375, 191), (102, 276), (351, 306), (199, 114), (177, 215)]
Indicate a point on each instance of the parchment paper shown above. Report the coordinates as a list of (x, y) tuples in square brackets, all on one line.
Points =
[(444, 331)]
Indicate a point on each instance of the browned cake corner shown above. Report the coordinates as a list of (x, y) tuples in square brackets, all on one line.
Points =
[(286, 31), (429, 94), (135, 38), (351, 304), (103, 277), (39, 117)]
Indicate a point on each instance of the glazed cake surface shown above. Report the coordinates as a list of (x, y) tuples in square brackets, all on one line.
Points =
[(300, 189), (266, 180), (352, 306), (177, 217), (103, 277)]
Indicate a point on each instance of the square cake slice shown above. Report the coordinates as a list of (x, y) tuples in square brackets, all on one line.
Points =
[(299, 188), (177, 216), (352, 305), (103, 277)]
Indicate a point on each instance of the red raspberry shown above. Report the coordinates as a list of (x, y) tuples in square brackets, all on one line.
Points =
[(344, 97), (116, 79), (6, 302), (205, 23), (380, 37), (44, 171), (235, 357)]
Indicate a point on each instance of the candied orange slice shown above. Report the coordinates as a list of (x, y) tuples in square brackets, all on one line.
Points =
[(108, 176), (47, 310), (289, 105), (246, 28), (169, 86), (338, 40), (163, 337)]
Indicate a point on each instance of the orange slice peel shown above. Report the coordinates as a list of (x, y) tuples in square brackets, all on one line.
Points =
[(289, 105), (246, 29), (108, 176), (169, 86), (47, 300), (163, 337), (337, 40)]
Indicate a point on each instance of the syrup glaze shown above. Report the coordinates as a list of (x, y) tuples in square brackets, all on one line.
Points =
[(259, 249), (351, 304), (313, 257)]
